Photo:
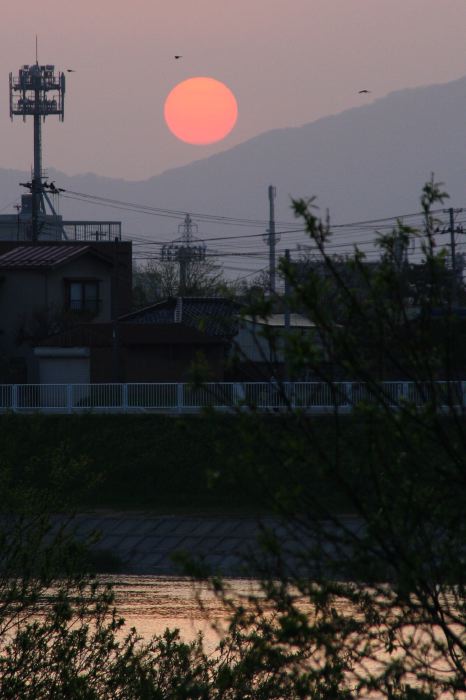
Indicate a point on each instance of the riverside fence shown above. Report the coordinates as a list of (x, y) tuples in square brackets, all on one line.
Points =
[(314, 397)]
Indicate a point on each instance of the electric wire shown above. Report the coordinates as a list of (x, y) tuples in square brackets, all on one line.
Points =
[(237, 221), (171, 213), (10, 204), (340, 231)]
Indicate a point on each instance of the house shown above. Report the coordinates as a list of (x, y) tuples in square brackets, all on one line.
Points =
[(45, 288), (161, 343), (258, 348), (158, 343)]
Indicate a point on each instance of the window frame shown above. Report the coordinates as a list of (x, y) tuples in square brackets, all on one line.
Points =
[(88, 304)]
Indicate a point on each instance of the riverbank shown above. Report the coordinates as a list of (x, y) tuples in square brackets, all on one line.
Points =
[(146, 544), (215, 464)]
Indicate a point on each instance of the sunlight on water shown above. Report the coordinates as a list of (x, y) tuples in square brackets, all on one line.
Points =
[(153, 603)]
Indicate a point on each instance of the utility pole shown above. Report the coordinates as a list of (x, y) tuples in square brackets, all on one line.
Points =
[(287, 315), (183, 262), (115, 312), (287, 292), (271, 237), (18, 209), (452, 212), (35, 191)]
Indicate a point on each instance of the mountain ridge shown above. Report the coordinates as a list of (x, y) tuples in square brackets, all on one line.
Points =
[(370, 160)]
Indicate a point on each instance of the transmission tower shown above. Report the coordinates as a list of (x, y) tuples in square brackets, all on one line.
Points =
[(38, 92), (185, 250)]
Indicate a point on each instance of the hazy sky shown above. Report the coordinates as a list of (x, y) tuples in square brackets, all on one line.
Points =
[(287, 61)]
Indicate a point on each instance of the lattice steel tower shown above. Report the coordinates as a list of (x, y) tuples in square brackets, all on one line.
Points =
[(185, 250), (38, 92)]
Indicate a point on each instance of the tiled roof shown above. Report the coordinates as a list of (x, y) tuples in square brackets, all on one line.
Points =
[(101, 335), (154, 315), (214, 316), (41, 256)]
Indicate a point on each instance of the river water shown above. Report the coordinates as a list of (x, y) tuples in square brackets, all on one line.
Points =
[(153, 603)]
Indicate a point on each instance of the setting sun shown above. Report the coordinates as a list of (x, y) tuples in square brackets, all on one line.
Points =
[(201, 111)]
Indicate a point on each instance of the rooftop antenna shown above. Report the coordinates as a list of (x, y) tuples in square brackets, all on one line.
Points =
[(38, 92)]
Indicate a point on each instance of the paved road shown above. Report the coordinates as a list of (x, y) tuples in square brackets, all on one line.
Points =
[(142, 543)]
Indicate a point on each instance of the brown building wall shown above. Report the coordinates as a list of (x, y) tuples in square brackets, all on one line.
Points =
[(119, 254), (25, 294), (155, 363), (21, 297), (30, 299)]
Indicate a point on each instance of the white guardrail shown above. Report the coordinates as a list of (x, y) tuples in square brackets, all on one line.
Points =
[(184, 398)]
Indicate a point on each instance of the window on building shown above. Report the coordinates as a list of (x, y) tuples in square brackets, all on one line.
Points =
[(83, 295)]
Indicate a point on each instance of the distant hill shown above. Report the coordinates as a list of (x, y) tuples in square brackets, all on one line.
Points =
[(366, 162)]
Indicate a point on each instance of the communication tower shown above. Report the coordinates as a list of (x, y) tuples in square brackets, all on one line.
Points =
[(184, 250), (38, 92)]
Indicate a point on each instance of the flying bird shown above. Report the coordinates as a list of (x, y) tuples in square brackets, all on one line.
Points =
[(364, 92), (70, 70), (178, 57)]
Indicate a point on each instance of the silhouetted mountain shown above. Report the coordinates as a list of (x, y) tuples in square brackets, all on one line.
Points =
[(366, 162)]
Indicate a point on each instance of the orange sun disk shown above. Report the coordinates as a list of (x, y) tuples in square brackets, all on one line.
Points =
[(201, 111)]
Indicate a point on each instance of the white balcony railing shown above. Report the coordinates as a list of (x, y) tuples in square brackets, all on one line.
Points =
[(316, 397)]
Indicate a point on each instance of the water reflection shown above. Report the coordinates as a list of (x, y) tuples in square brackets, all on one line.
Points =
[(153, 603)]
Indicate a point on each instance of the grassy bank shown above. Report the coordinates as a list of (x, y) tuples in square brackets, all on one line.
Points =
[(206, 463), (121, 461), (167, 464)]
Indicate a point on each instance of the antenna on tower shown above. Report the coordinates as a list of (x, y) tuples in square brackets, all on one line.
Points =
[(185, 250), (38, 92)]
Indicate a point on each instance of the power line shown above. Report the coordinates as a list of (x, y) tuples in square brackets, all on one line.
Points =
[(330, 247), (171, 213), (360, 228), (141, 241), (219, 218), (387, 218), (10, 204), (220, 238)]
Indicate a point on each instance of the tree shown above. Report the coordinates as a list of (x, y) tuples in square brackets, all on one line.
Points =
[(44, 321), (60, 635), (369, 603), (372, 602), (159, 280)]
